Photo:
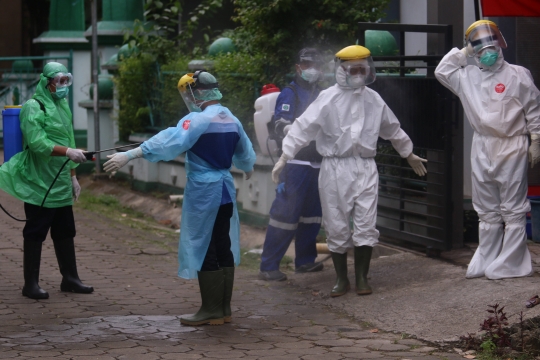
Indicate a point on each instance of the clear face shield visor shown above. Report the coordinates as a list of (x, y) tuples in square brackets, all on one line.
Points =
[(357, 73), (61, 80), (189, 99), (482, 37)]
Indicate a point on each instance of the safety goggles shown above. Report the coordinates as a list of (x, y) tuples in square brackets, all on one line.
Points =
[(61, 80)]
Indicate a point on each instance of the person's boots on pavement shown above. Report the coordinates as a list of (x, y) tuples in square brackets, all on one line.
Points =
[(342, 282), (65, 254), (362, 258), (228, 277), (31, 265), (212, 287)]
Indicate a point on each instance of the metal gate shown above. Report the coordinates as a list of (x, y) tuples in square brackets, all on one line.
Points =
[(422, 210)]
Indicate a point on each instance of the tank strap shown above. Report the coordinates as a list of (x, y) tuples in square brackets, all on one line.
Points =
[(41, 106)]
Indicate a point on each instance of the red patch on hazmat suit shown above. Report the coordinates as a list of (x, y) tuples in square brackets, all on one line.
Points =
[(185, 124), (499, 88)]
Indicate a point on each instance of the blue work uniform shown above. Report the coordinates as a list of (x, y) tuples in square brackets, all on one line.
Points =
[(213, 141), (296, 211)]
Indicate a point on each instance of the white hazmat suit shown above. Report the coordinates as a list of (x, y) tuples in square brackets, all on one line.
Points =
[(502, 105), (346, 124)]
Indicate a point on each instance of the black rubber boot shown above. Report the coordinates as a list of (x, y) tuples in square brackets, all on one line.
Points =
[(65, 254), (211, 284), (31, 264), (342, 282), (228, 277), (362, 258)]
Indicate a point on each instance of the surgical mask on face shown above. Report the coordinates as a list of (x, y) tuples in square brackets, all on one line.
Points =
[(356, 81), (60, 93), (192, 107), (311, 75), (489, 57)]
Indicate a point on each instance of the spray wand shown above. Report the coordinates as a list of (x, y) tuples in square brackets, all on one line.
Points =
[(90, 154)]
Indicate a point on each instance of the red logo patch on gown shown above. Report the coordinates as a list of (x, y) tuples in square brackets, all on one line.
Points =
[(185, 124), (499, 88)]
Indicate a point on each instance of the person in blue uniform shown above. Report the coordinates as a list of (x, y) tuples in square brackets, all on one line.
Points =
[(213, 140), (296, 211)]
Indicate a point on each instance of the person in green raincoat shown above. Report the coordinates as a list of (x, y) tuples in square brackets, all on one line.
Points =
[(47, 140)]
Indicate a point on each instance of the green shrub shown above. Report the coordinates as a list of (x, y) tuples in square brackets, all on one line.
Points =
[(149, 99), (132, 84), (240, 78)]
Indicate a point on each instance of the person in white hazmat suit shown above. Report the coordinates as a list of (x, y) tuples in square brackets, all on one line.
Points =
[(503, 106), (345, 121)]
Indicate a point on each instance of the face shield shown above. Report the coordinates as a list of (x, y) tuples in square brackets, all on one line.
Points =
[(483, 36), (61, 80), (355, 73), (198, 88), (189, 98)]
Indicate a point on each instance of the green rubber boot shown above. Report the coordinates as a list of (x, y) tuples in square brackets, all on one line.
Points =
[(211, 311), (342, 282), (362, 258), (228, 276)]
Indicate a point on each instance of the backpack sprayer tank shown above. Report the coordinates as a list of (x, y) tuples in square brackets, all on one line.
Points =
[(264, 110), (13, 139)]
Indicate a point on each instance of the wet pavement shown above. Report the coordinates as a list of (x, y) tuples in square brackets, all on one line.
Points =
[(135, 309)]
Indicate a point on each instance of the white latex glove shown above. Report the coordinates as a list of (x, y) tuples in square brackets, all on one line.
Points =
[(76, 155), (248, 175), (464, 51), (416, 163), (119, 160), (286, 129), (116, 162), (534, 150), (76, 188), (278, 168)]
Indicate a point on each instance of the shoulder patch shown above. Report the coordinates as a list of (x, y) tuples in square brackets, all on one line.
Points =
[(285, 107), (185, 124)]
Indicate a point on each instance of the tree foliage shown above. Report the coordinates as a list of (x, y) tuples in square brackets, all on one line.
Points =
[(279, 28), (174, 26)]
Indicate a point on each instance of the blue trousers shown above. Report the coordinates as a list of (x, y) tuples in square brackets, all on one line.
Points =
[(295, 213)]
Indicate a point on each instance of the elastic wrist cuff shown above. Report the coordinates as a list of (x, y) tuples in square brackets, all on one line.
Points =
[(135, 153)]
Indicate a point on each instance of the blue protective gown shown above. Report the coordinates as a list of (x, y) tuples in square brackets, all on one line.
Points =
[(213, 140)]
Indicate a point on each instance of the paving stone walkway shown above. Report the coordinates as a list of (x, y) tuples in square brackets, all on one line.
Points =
[(134, 311)]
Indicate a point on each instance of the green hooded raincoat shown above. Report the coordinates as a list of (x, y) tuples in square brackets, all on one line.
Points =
[(29, 174)]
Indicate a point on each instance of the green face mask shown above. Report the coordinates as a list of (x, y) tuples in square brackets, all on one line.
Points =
[(60, 93), (489, 57)]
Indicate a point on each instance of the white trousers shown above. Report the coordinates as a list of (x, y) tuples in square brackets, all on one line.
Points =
[(499, 184), (348, 187)]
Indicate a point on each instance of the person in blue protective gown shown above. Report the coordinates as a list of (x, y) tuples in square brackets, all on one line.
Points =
[(296, 211), (213, 140), (46, 125)]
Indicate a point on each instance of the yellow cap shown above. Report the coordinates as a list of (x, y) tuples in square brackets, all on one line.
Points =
[(353, 52), (12, 106), (478, 23), (185, 80)]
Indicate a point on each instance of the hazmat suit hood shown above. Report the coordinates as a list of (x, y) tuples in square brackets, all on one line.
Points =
[(44, 95), (341, 78)]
